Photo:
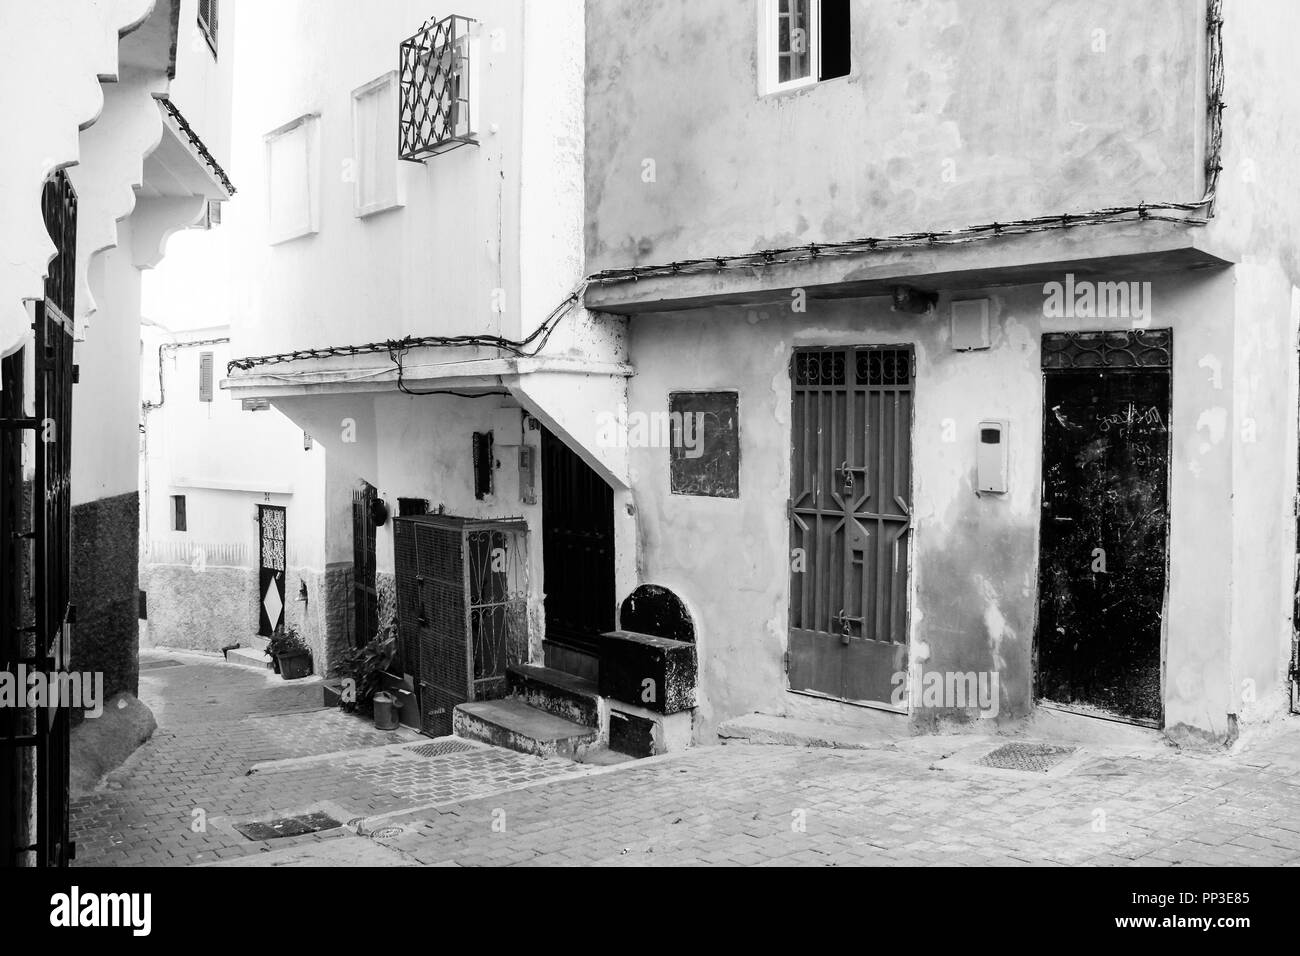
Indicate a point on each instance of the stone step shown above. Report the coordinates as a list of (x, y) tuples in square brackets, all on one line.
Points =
[(512, 724), (250, 657), (563, 695)]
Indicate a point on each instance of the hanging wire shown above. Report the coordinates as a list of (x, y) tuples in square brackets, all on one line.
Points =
[(532, 344)]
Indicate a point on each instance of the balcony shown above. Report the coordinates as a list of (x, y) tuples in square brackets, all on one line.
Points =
[(439, 89)]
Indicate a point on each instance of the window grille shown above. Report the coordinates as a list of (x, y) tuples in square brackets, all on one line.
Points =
[(438, 89)]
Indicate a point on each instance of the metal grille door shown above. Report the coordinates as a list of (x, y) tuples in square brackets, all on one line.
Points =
[(271, 525), (850, 521)]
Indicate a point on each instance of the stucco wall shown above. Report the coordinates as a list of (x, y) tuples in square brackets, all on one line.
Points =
[(974, 558), (954, 114)]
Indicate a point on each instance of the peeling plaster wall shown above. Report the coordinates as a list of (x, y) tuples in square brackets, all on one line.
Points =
[(955, 113), (974, 558)]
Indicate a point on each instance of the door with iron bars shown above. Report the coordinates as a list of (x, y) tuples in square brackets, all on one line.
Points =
[(1105, 521), (271, 565), (850, 514)]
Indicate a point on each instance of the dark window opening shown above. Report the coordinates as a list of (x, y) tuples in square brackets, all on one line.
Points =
[(178, 513), (483, 465), (407, 507), (835, 39), (208, 23)]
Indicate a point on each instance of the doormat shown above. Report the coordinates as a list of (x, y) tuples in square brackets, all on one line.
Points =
[(440, 747), (1030, 758), (155, 665), (287, 826)]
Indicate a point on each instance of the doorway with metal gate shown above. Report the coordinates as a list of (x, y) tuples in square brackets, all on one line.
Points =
[(850, 517), (577, 559), (271, 568), (1104, 529)]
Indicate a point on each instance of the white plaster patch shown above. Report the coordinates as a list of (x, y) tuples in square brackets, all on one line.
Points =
[(1215, 422)]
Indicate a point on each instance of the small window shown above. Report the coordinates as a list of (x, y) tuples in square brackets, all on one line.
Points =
[(178, 513), (483, 465), (205, 376), (208, 23), (407, 507), (802, 42)]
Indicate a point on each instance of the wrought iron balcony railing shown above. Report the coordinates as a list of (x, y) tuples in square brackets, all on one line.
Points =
[(439, 89)]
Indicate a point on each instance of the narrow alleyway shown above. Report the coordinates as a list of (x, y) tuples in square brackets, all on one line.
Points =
[(235, 744), (924, 801)]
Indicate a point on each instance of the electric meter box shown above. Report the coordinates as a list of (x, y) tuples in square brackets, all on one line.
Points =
[(992, 459)]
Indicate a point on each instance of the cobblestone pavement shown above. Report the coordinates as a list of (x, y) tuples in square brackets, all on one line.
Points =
[(176, 799), (923, 800), (915, 804)]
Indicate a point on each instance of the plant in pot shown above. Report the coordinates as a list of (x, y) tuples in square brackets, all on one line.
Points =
[(366, 667), (291, 654)]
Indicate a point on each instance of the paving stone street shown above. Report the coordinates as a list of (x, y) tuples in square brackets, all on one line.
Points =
[(922, 800)]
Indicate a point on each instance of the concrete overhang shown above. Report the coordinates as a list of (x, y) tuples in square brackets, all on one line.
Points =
[(178, 168), (476, 376), (1108, 252)]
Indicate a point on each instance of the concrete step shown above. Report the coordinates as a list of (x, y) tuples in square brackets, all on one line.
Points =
[(512, 724), (563, 695), (250, 657)]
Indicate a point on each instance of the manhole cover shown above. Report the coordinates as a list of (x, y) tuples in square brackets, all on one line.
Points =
[(1032, 758), (155, 665), (287, 826), (440, 747), (386, 833)]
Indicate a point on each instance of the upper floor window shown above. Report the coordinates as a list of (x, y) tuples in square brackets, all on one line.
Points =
[(376, 179), (802, 42), (292, 179), (208, 23), (439, 88)]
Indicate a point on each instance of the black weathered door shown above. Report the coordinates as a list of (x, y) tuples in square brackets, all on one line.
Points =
[(1105, 521), (850, 521), (271, 565), (365, 592), (577, 549)]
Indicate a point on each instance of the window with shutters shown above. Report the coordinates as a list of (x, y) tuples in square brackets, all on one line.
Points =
[(178, 513), (293, 178), (376, 181), (208, 23), (802, 42), (205, 376), (483, 464)]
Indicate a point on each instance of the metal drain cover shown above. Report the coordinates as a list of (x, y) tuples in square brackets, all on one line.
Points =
[(1030, 758), (440, 747), (387, 833), (287, 826)]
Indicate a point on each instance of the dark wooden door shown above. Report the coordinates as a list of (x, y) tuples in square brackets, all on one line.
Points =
[(850, 521), (271, 566), (1104, 527), (577, 548)]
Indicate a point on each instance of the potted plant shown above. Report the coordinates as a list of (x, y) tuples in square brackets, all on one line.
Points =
[(291, 654), (366, 667)]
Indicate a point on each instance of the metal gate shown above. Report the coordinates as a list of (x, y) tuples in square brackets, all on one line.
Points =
[(270, 560), (365, 592), (1105, 521), (850, 515), (35, 610)]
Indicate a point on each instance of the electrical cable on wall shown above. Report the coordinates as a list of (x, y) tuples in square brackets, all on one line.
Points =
[(532, 344)]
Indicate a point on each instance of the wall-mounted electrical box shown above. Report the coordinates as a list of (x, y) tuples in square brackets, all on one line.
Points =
[(528, 474), (970, 324), (992, 458)]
